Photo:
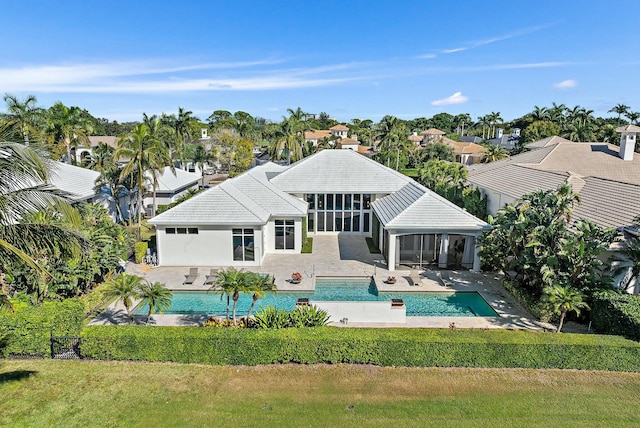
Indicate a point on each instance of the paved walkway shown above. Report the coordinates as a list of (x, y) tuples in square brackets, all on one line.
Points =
[(348, 256)]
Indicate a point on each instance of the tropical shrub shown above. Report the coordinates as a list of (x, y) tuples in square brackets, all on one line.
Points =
[(531, 243), (308, 316), (140, 250), (385, 347), (272, 318)]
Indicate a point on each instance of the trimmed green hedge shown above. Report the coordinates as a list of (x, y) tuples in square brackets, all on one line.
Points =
[(616, 313), (384, 347), (28, 328)]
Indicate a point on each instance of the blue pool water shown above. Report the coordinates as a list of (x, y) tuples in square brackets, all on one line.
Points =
[(443, 304)]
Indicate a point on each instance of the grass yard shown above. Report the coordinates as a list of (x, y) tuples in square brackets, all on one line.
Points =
[(93, 393)]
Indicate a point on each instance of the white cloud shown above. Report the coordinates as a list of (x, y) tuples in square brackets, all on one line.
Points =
[(456, 98), (484, 42), (150, 77), (566, 84), (427, 56)]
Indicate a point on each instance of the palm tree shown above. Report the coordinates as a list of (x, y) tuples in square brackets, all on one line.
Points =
[(495, 153), (124, 288), (633, 117), (258, 284), (557, 113), (540, 113), (201, 157), (292, 141), (24, 113), (145, 153), (485, 123), (461, 120), (156, 295), (494, 118), (68, 126), (24, 192), (620, 109), (563, 300), (102, 158), (231, 282)]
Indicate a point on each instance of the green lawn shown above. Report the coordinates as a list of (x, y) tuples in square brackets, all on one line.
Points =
[(73, 393)]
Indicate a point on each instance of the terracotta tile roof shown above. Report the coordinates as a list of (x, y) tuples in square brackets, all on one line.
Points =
[(348, 141), (433, 131), (415, 138), (108, 140), (339, 127), (316, 134)]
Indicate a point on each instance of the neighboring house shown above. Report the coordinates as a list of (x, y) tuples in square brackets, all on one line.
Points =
[(264, 210), (339, 131), (606, 177), (432, 135), (349, 144), (465, 153), (507, 141), (314, 137), (85, 151), (80, 184), (170, 187), (415, 138)]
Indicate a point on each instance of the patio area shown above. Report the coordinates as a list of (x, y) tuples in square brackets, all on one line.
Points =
[(348, 256)]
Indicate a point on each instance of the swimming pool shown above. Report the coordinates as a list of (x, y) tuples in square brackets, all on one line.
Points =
[(441, 304)]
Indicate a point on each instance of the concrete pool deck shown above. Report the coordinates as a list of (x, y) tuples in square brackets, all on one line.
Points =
[(348, 256)]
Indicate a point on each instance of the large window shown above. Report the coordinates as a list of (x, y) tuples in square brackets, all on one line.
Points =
[(243, 245), (285, 235), (339, 212)]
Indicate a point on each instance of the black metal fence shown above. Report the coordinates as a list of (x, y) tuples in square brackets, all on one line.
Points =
[(66, 348)]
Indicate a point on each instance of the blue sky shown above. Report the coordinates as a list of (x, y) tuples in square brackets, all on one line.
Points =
[(351, 59)]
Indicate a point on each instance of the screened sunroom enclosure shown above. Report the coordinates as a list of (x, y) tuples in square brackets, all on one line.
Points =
[(424, 250), (442, 250)]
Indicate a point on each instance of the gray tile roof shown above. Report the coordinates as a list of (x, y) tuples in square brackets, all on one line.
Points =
[(414, 207), (530, 157), (592, 160), (248, 199), (608, 203), (609, 186), (509, 142), (516, 180), (79, 182), (339, 171), (168, 182), (547, 142)]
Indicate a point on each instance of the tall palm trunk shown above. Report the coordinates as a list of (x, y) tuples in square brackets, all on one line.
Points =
[(562, 315), (236, 296), (153, 208), (67, 146), (253, 302), (140, 213)]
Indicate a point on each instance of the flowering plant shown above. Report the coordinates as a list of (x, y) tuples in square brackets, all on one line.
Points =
[(296, 276)]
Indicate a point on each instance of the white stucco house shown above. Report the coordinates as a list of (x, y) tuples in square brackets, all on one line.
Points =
[(265, 210), (170, 187), (80, 185)]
